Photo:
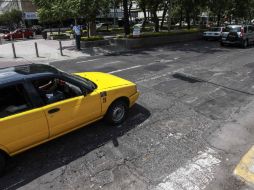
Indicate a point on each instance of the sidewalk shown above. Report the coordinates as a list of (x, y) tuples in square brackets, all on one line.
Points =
[(49, 51)]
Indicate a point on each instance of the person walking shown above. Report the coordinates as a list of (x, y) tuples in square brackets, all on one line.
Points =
[(77, 32)]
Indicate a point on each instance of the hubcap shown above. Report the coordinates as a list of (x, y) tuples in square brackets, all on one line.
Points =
[(118, 113)]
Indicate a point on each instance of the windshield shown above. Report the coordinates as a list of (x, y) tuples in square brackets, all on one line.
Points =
[(85, 80), (215, 29), (232, 29), (82, 80)]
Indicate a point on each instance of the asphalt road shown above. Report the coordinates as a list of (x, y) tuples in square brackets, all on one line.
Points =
[(182, 134)]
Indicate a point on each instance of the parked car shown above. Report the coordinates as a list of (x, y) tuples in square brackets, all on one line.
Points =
[(18, 34), (213, 33), (238, 35), (39, 103)]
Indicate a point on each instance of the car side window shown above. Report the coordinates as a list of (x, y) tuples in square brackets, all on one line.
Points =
[(53, 90), (13, 100)]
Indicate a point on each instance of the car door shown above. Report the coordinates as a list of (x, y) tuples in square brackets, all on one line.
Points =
[(21, 124), (66, 112)]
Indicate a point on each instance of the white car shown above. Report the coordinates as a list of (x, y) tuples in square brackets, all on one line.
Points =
[(213, 33)]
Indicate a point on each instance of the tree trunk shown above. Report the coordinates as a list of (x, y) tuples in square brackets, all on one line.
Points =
[(59, 29), (164, 14), (126, 17), (218, 19), (145, 17), (155, 20), (188, 18), (92, 28), (88, 30), (181, 17), (169, 15), (130, 7)]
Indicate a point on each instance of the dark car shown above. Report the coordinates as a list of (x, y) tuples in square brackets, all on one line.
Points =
[(19, 34), (242, 35)]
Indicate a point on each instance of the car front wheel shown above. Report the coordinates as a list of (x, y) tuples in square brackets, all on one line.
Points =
[(2, 162), (117, 112)]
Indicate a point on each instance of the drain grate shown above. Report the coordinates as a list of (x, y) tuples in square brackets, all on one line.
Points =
[(187, 78)]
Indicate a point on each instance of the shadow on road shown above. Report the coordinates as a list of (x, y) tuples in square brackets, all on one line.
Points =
[(43, 159)]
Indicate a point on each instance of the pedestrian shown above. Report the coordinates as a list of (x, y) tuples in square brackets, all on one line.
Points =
[(77, 32)]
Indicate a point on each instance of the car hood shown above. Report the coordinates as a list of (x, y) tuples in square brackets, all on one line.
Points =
[(104, 80)]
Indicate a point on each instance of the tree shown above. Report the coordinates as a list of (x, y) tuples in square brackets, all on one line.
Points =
[(126, 17), (218, 7), (62, 9), (154, 6), (11, 18), (143, 5)]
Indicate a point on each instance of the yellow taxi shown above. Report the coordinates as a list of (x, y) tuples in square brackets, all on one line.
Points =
[(39, 103)]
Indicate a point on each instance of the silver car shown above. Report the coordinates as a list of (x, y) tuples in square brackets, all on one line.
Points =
[(213, 33), (242, 35)]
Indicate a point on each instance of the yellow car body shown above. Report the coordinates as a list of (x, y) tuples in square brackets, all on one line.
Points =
[(22, 131)]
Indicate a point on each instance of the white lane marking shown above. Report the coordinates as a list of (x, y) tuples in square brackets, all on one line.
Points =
[(112, 62), (195, 175), (120, 70), (91, 60), (153, 77)]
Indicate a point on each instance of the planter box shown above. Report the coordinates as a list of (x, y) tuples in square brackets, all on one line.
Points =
[(87, 44), (155, 41)]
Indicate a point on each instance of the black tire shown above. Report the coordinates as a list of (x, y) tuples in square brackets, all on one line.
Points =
[(245, 44), (117, 112), (2, 163)]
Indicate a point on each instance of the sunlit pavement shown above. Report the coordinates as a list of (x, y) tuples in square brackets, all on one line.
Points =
[(181, 135)]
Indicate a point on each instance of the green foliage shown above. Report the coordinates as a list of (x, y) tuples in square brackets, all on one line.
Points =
[(58, 10), (11, 18)]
